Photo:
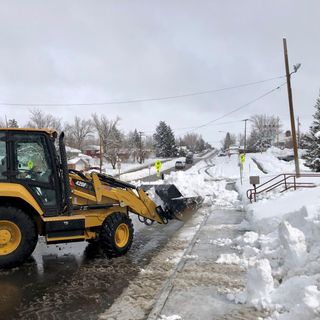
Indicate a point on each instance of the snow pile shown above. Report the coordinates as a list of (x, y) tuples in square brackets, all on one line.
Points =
[(229, 258), (282, 256), (271, 164), (228, 168), (192, 183), (259, 282), (173, 317)]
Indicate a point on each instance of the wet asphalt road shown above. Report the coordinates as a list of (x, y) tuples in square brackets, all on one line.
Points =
[(75, 281)]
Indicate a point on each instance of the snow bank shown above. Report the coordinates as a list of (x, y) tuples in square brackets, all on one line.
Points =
[(282, 255), (173, 317), (194, 182), (271, 164)]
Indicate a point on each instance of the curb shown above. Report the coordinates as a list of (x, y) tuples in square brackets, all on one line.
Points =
[(161, 299)]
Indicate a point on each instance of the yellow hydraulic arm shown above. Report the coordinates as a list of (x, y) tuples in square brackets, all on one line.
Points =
[(136, 200)]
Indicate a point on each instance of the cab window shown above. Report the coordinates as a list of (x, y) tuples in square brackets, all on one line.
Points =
[(32, 161)]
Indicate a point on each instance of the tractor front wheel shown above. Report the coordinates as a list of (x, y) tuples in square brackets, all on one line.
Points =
[(116, 235), (18, 236)]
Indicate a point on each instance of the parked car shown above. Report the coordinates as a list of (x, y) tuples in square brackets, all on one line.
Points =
[(189, 158), (287, 158), (180, 165), (222, 154)]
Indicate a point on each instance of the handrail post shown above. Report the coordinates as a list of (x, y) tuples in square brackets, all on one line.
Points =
[(285, 182)]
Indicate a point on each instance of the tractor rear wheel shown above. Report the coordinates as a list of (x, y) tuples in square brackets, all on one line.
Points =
[(18, 236), (116, 235)]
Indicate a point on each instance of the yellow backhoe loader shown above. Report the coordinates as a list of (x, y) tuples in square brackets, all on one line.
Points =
[(40, 196)]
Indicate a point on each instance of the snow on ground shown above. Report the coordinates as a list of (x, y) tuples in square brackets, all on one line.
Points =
[(138, 299), (271, 164), (228, 168), (283, 260), (281, 253), (131, 166), (140, 174), (133, 171), (197, 181)]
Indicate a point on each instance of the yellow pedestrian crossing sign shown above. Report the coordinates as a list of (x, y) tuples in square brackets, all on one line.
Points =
[(158, 165), (242, 158)]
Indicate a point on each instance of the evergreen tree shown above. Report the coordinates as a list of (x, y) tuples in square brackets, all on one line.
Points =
[(228, 141), (165, 143), (312, 141), (303, 141), (12, 123)]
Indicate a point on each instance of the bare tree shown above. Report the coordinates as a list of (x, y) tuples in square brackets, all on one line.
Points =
[(193, 141), (78, 131), (40, 120), (190, 140), (265, 131), (108, 134), (113, 146)]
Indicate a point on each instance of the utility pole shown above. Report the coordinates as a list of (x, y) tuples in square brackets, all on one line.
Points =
[(245, 134), (293, 128)]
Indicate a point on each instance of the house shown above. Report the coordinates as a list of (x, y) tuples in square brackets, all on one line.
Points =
[(92, 151), (79, 164), (72, 152)]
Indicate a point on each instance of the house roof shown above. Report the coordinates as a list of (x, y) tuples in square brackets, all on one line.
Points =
[(72, 150), (92, 147), (77, 160)]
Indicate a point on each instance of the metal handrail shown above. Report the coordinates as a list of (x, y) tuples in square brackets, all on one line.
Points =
[(252, 193)]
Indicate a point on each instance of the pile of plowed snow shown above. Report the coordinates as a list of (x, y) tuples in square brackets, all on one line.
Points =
[(282, 256)]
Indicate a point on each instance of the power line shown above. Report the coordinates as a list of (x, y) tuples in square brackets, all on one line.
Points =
[(238, 108), (137, 100), (216, 124)]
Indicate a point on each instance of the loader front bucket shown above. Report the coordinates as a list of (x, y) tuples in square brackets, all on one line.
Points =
[(173, 202)]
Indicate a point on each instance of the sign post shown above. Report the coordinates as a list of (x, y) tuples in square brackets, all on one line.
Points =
[(242, 159), (158, 165)]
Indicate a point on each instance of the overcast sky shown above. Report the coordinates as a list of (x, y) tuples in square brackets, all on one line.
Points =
[(97, 51)]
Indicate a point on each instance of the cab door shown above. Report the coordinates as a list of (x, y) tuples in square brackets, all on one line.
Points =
[(35, 168)]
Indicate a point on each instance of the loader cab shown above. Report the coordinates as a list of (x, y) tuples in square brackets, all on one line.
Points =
[(28, 157)]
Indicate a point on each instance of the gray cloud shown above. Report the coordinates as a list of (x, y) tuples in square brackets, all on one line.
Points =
[(89, 51)]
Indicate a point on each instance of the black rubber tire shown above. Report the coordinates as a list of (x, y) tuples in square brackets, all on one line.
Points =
[(29, 236), (107, 235)]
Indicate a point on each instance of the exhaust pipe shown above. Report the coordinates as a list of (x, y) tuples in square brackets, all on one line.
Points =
[(65, 175)]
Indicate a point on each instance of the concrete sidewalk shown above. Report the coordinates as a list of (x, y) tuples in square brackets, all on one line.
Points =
[(199, 287)]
